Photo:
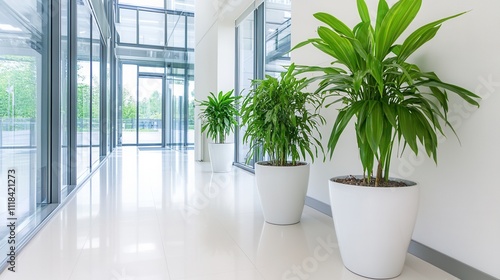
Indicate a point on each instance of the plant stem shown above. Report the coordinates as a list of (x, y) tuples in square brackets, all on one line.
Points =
[(379, 174)]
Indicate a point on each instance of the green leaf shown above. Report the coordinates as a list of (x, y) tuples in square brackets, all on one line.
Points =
[(334, 23), (410, 45), (366, 154), (462, 92), (395, 22), (363, 11), (340, 124), (375, 68), (340, 47), (364, 34), (407, 128), (422, 35), (390, 114), (382, 10), (375, 126)]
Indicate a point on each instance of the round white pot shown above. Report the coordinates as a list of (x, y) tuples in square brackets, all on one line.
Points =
[(282, 192), (374, 226), (221, 156)]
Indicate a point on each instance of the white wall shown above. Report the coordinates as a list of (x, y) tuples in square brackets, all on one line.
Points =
[(214, 55), (460, 199)]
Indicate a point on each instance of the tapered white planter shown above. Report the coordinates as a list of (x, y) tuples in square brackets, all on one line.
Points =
[(282, 192), (374, 226), (221, 156)]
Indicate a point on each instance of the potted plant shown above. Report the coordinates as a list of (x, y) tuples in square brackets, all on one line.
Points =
[(392, 101), (218, 115), (281, 123)]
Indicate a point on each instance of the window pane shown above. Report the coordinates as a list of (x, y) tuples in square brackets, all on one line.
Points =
[(176, 27), (278, 37), (128, 26), (150, 110), (190, 139), (30, 10), (245, 58), (176, 90), (96, 93), (64, 93), (23, 115), (129, 105), (190, 34), (181, 5), (83, 92), (151, 28)]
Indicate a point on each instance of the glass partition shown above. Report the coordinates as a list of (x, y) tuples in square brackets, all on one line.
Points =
[(50, 107), (83, 137), (278, 36), (65, 108), (95, 103), (128, 125), (151, 28), (176, 28), (24, 114), (127, 21), (245, 73)]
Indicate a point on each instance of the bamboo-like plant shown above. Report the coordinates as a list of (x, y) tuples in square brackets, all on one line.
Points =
[(392, 100), (219, 115), (282, 119)]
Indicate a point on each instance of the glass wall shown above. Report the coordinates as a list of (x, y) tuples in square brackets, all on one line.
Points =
[(95, 103), (277, 36), (24, 113), (84, 20), (128, 25), (50, 107), (151, 28), (88, 93), (64, 97), (262, 45), (156, 49), (245, 61), (128, 120)]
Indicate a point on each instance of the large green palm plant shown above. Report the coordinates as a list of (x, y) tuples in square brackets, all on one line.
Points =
[(392, 100)]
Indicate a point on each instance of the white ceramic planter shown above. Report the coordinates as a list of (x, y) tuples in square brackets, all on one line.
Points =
[(282, 192), (374, 226), (221, 156)]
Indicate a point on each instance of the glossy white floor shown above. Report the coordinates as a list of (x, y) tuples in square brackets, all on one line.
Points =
[(158, 214)]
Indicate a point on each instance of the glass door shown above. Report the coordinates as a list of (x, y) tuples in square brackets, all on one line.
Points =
[(150, 96)]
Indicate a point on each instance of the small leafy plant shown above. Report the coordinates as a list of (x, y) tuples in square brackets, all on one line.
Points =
[(392, 100), (281, 119), (219, 115)]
